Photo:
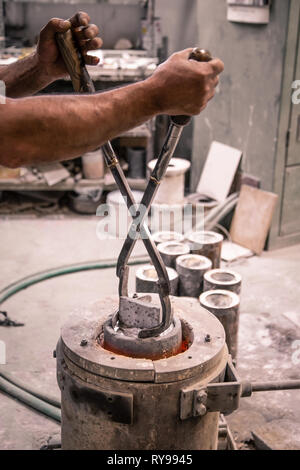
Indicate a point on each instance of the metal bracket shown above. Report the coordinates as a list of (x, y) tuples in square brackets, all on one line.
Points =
[(222, 396), (115, 406), (111, 405)]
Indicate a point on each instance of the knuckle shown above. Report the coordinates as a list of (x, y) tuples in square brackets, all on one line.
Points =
[(94, 43), (203, 76), (83, 16), (50, 26), (92, 31)]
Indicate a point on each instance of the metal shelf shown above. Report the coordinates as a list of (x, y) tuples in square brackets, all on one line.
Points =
[(91, 2), (19, 185)]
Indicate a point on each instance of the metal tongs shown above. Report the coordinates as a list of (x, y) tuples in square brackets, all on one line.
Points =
[(82, 83)]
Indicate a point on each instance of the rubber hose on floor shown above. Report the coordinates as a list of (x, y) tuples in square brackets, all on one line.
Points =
[(30, 400)]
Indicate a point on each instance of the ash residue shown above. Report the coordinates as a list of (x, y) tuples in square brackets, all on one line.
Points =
[(281, 337)]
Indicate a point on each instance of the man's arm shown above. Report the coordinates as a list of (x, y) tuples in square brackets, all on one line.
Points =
[(33, 73), (53, 128), (23, 78)]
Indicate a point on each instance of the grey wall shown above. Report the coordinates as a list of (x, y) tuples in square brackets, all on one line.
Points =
[(245, 113), (179, 24)]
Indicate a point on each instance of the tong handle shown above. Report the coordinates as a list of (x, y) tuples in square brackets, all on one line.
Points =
[(74, 62), (200, 55)]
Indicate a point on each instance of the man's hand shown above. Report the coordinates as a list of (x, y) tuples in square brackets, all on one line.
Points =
[(185, 86), (49, 60)]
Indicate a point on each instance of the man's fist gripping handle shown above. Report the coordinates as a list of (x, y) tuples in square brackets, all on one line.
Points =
[(200, 55)]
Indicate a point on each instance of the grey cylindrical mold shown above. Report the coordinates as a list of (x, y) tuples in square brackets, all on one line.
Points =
[(169, 251), (224, 305), (146, 280), (225, 279), (166, 236), (190, 269), (207, 244)]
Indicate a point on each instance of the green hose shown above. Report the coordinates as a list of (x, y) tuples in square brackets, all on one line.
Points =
[(28, 281), (44, 403), (30, 400), (32, 391)]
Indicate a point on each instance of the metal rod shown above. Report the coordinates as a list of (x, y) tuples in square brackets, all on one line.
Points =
[(248, 388), (282, 385)]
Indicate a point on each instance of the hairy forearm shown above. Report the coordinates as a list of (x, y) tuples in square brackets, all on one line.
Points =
[(54, 128), (23, 78)]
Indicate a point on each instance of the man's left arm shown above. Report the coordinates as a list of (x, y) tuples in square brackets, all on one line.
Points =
[(33, 73)]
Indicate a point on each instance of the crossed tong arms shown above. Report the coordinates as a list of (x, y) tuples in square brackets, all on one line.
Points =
[(139, 227)]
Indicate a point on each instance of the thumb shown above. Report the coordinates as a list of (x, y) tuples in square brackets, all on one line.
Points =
[(54, 26)]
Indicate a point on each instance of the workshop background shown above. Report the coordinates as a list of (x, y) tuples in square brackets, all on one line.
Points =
[(243, 171)]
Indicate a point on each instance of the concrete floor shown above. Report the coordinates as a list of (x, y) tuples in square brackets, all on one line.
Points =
[(269, 340)]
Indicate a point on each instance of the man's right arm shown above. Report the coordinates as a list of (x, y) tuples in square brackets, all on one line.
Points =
[(55, 128)]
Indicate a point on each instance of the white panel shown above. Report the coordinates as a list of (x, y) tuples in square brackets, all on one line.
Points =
[(220, 167)]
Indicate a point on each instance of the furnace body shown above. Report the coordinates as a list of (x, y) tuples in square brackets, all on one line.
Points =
[(114, 402)]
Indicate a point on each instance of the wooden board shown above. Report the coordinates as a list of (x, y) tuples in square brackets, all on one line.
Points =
[(252, 218)]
